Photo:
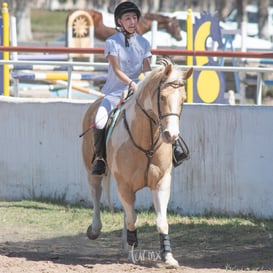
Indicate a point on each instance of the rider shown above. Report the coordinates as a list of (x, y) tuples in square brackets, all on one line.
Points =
[(128, 54)]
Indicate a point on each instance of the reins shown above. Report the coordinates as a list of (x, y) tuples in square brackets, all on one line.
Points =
[(154, 143), (148, 152)]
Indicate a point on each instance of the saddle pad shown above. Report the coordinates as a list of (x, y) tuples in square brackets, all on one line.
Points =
[(111, 126)]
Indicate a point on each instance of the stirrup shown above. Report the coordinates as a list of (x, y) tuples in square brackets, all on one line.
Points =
[(99, 167), (180, 155)]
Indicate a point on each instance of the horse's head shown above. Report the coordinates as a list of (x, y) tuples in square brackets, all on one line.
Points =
[(173, 28), (163, 104)]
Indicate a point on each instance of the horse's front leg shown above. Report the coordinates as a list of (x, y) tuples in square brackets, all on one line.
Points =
[(94, 229), (127, 198), (160, 199)]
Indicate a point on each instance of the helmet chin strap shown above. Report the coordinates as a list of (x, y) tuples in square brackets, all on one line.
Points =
[(127, 35)]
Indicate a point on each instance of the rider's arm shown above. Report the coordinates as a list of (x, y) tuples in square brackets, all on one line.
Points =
[(113, 60)]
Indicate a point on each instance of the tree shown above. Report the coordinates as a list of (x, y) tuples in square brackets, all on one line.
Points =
[(21, 9)]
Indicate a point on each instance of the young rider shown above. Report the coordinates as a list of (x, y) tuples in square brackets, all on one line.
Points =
[(128, 54)]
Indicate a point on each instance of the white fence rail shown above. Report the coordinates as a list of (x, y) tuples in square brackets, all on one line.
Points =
[(91, 66), (229, 172)]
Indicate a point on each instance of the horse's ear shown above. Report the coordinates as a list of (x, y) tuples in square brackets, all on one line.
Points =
[(167, 71), (188, 73)]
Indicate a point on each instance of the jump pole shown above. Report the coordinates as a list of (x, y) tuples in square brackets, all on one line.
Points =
[(6, 76), (79, 88)]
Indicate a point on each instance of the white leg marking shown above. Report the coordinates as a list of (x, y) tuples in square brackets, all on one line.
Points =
[(161, 198)]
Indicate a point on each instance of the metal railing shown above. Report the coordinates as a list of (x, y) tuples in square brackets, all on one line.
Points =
[(71, 64)]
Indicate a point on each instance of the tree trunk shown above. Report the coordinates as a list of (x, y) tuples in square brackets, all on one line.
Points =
[(21, 10), (263, 19)]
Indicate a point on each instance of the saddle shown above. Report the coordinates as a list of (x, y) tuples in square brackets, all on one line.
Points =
[(114, 115)]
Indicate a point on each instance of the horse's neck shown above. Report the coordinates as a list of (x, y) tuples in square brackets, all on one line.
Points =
[(143, 130), (102, 32), (143, 26), (145, 23), (140, 125), (156, 17)]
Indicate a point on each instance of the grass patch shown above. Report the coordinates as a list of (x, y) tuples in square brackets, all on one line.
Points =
[(64, 217), (230, 243), (43, 20)]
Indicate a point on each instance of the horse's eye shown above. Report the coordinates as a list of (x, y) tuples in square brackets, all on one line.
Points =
[(162, 98)]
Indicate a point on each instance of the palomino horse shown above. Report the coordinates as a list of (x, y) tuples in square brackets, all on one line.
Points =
[(171, 25), (139, 151)]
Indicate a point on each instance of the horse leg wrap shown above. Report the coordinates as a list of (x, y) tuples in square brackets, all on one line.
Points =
[(132, 238), (165, 244)]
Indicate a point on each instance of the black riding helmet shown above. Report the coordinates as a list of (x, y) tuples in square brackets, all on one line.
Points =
[(123, 8)]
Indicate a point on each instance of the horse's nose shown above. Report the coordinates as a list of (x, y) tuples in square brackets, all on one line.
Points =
[(169, 137)]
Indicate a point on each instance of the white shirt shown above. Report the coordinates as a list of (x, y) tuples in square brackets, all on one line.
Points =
[(130, 60)]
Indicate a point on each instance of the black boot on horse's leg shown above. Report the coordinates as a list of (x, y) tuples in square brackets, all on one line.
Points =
[(100, 151), (166, 251), (132, 238), (165, 244)]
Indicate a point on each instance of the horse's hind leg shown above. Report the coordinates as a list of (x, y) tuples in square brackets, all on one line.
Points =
[(160, 199), (94, 229)]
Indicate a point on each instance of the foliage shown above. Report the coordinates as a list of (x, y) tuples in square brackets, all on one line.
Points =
[(48, 21)]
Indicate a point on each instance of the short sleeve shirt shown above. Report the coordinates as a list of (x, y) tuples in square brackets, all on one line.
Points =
[(130, 60)]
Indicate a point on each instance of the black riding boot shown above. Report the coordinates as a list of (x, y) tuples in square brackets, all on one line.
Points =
[(100, 151), (179, 155)]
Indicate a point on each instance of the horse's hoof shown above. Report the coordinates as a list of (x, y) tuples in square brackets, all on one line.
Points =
[(91, 234), (170, 261)]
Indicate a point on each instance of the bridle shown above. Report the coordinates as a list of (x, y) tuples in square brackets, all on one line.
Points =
[(159, 112), (154, 142)]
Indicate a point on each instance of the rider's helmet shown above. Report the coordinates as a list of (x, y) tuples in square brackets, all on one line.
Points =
[(123, 8)]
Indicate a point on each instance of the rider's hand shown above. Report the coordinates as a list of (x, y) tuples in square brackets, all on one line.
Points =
[(127, 93), (133, 86)]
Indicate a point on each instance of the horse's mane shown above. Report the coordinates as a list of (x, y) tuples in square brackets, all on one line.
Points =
[(154, 77)]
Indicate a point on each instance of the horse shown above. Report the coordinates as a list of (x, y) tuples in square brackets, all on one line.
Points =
[(101, 32), (139, 151), (171, 25)]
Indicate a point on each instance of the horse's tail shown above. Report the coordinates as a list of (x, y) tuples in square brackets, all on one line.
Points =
[(106, 188)]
